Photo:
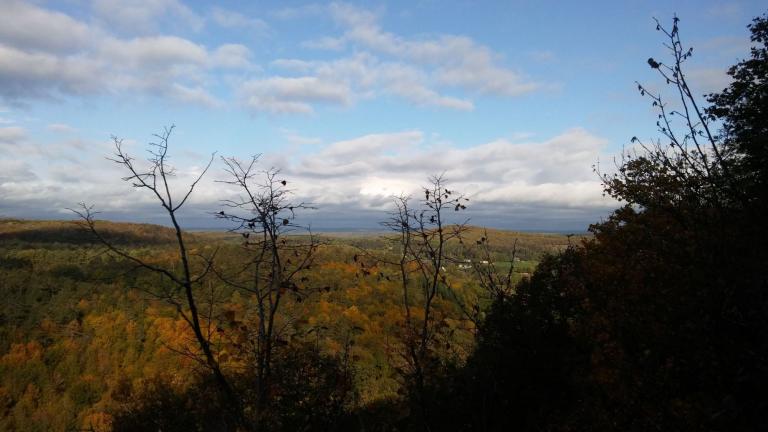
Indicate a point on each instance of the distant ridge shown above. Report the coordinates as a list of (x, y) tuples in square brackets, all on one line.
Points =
[(70, 232)]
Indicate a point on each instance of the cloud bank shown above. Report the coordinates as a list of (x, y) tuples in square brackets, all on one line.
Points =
[(522, 184)]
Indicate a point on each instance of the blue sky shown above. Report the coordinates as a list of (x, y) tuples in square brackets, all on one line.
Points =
[(355, 102)]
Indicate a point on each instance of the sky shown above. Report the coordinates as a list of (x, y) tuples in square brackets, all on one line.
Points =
[(513, 102)]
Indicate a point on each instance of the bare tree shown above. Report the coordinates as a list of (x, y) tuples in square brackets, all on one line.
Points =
[(423, 234), (689, 154), (494, 283), (183, 279), (264, 215)]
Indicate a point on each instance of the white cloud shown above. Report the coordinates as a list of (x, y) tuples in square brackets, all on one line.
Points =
[(143, 16), (363, 26), (61, 128), (547, 179), (47, 54), (58, 174), (11, 134), (410, 84), (153, 52), (365, 171), (297, 139), (482, 76), (459, 61), (292, 95), (293, 65), (13, 171), (194, 95), (32, 28), (367, 145), (24, 74), (366, 77), (325, 43), (231, 19), (416, 70), (232, 56)]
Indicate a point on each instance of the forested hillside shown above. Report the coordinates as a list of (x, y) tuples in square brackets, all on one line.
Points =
[(83, 342)]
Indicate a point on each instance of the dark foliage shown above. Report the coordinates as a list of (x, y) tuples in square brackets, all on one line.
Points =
[(527, 366), (312, 392), (157, 407), (20, 232), (743, 108), (659, 321)]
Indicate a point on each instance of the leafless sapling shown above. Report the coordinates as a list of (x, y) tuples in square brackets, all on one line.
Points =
[(422, 236), (264, 216)]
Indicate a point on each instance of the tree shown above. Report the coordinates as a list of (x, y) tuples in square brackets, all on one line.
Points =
[(183, 279), (742, 108), (255, 352), (422, 236), (276, 266), (675, 278), (494, 283), (527, 366), (688, 161), (658, 322)]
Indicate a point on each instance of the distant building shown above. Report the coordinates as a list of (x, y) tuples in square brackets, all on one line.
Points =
[(466, 264)]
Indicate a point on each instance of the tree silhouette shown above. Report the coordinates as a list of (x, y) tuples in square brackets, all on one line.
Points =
[(658, 321), (184, 280), (276, 266), (742, 108), (423, 234)]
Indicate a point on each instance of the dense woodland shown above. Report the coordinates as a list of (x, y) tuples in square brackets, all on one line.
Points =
[(654, 321), (83, 340)]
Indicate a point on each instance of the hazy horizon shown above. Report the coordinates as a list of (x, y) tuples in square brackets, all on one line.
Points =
[(325, 225)]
